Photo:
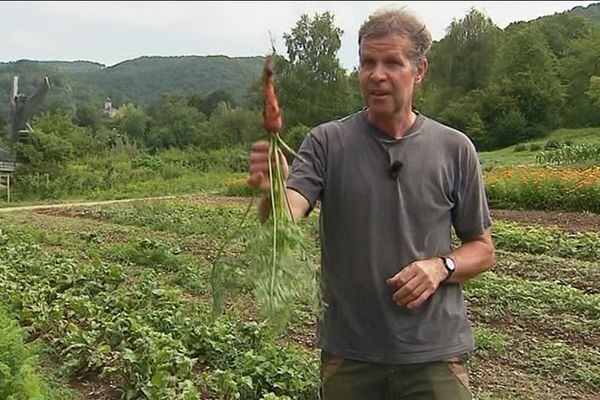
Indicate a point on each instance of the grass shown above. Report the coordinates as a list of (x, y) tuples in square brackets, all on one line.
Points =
[(190, 183), (508, 156)]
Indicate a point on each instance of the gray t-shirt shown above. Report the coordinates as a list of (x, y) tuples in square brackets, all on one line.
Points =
[(373, 224)]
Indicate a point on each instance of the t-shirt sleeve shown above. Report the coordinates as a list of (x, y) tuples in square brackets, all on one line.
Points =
[(308, 170), (471, 214)]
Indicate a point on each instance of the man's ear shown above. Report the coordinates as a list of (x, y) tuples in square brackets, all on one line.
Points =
[(421, 71)]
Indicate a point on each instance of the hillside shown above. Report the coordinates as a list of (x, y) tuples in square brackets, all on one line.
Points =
[(144, 79), (141, 80), (508, 156), (591, 12)]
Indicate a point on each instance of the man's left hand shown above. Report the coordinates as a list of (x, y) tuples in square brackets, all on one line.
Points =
[(417, 281)]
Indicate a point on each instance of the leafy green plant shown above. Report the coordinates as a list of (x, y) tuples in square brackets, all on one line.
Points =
[(19, 378), (549, 241), (570, 154)]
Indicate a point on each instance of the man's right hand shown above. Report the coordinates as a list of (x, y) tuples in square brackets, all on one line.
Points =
[(259, 166)]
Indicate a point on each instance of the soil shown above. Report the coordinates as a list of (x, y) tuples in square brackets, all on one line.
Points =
[(495, 374), (567, 221)]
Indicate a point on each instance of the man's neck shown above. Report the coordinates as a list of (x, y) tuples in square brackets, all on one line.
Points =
[(395, 126)]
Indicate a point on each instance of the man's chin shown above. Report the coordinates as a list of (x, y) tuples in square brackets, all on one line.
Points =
[(380, 112)]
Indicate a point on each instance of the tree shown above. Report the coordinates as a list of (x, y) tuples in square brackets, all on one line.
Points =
[(207, 104), (313, 87), (464, 58), (528, 74), (132, 121), (175, 123), (594, 90), (88, 115), (578, 66), (232, 126), (56, 141)]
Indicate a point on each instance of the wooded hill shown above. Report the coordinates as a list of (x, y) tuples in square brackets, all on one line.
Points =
[(140, 81), (500, 86)]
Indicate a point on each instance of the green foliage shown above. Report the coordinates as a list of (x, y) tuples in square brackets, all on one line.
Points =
[(544, 188), (296, 135), (19, 379), (508, 157), (139, 327), (281, 273), (468, 52), (88, 115), (127, 326), (148, 252), (232, 126), (594, 90), (312, 85), (531, 79), (488, 340), (549, 241), (568, 155), (140, 81), (132, 121), (577, 68), (520, 147), (207, 104), (175, 124)]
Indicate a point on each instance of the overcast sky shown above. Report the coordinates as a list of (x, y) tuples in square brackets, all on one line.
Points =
[(110, 32)]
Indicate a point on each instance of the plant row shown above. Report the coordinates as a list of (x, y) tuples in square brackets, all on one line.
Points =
[(572, 154), (544, 188), (134, 329)]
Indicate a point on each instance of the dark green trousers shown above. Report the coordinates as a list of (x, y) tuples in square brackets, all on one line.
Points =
[(344, 379)]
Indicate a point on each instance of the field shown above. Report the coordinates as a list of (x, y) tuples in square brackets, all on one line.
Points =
[(117, 299), (508, 156)]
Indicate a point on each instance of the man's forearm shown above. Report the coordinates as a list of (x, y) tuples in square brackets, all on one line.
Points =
[(473, 257)]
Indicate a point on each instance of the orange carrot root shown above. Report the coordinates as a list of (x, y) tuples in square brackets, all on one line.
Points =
[(271, 113)]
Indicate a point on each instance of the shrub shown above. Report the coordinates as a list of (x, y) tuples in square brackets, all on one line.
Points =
[(535, 147), (520, 147)]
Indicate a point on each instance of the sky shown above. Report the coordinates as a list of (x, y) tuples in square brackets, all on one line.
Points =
[(109, 32)]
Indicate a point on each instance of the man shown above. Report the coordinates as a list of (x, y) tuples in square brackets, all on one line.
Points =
[(392, 184)]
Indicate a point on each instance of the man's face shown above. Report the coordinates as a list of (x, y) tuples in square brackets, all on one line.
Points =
[(387, 76)]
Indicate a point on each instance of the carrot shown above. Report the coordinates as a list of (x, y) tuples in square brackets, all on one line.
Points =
[(281, 273), (271, 112)]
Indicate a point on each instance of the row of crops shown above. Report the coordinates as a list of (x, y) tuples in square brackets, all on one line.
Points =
[(544, 188), (120, 296)]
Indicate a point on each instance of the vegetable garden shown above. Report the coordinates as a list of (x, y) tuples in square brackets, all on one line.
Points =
[(117, 301)]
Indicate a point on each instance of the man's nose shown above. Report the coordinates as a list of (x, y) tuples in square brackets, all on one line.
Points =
[(378, 73)]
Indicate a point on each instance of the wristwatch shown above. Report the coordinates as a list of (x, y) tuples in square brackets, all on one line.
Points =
[(450, 266)]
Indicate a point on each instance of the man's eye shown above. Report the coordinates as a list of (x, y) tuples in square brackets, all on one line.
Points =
[(366, 63)]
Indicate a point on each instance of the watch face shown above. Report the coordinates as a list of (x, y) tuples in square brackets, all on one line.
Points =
[(450, 263)]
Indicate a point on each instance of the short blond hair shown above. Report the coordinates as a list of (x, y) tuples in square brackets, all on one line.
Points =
[(402, 22)]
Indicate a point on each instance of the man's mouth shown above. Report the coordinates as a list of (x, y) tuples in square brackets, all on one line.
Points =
[(379, 93)]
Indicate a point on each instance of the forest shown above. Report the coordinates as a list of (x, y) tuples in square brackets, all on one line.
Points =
[(500, 86)]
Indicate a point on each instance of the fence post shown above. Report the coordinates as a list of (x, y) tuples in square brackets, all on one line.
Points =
[(8, 188)]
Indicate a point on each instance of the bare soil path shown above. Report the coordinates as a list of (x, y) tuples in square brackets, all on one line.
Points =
[(566, 220)]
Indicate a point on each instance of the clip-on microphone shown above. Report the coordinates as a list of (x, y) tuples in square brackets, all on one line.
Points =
[(395, 169)]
